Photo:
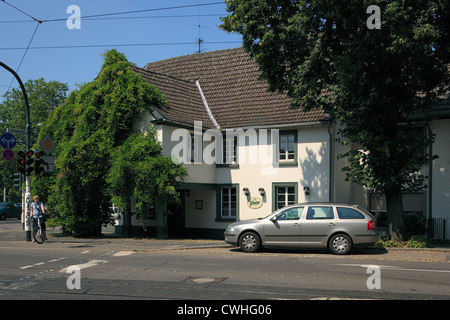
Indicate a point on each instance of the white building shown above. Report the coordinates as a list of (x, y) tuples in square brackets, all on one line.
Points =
[(283, 156)]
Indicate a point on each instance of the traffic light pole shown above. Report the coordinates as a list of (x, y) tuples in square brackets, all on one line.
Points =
[(26, 218)]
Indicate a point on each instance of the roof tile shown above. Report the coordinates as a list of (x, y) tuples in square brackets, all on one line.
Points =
[(230, 82)]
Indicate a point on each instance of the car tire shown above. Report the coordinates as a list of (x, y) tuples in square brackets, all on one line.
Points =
[(340, 244), (250, 242), (3, 216)]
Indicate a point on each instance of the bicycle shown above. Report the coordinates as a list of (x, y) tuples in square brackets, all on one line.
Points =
[(38, 233)]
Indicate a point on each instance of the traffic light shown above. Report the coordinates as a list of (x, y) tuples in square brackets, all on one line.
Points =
[(38, 169), (29, 162), (22, 163)]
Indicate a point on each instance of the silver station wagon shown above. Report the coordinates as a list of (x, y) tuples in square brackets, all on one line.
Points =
[(336, 226)]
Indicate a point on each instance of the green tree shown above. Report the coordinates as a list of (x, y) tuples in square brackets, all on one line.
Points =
[(322, 54), (43, 98), (90, 129), (139, 170)]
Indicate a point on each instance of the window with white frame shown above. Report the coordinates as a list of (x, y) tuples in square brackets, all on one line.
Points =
[(229, 150), (285, 195), (228, 202), (287, 147)]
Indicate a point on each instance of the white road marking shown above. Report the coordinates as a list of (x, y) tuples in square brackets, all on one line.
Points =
[(123, 253), (92, 263), (26, 267), (40, 263), (393, 268)]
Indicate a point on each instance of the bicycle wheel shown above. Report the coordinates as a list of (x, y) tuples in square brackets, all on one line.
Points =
[(39, 236)]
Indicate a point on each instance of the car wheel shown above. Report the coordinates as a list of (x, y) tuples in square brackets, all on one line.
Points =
[(250, 242), (3, 216), (340, 244)]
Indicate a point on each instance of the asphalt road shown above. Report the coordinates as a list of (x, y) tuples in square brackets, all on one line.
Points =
[(112, 268)]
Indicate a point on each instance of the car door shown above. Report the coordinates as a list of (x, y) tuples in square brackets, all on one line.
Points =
[(284, 228), (317, 224)]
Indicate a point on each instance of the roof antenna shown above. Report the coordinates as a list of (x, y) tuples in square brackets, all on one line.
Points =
[(199, 32)]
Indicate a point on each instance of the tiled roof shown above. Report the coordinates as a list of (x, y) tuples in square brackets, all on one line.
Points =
[(439, 111), (185, 104), (229, 81)]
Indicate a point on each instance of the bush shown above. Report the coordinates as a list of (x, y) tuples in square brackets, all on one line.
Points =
[(417, 241), (384, 242), (415, 224)]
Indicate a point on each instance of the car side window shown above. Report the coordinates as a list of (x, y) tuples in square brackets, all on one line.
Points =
[(290, 214), (348, 213), (319, 212)]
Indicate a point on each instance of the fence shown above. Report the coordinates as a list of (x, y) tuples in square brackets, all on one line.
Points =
[(437, 228)]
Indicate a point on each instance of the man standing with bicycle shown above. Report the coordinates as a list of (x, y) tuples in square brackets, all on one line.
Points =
[(37, 212)]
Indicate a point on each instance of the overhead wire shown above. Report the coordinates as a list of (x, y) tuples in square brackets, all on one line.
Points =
[(138, 11), (119, 45), (20, 10), (125, 18), (29, 42), (108, 16)]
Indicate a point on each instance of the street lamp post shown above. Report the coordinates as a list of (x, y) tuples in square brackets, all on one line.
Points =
[(26, 219)]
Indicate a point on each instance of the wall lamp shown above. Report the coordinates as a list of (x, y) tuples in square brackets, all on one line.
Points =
[(246, 191), (306, 190), (261, 191)]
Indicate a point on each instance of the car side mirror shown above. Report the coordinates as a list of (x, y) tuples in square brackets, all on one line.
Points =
[(273, 219)]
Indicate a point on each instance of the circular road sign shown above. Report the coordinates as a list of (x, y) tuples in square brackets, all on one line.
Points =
[(8, 154), (8, 141)]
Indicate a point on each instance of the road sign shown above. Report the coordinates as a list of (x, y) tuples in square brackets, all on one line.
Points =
[(8, 141), (48, 164), (8, 154), (47, 145)]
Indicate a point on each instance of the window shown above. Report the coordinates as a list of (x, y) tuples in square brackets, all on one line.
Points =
[(229, 150), (287, 147), (348, 213), (285, 196), (316, 212), (196, 144), (228, 202), (290, 214)]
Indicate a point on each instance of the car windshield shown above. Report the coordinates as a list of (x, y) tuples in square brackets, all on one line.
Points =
[(3, 205), (278, 210)]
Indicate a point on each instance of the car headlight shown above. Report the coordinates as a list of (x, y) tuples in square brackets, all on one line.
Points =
[(229, 229)]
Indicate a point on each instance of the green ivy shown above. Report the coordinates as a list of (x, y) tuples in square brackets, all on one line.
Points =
[(99, 157)]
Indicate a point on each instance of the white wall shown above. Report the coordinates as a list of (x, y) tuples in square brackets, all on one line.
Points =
[(441, 169), (312, 170)]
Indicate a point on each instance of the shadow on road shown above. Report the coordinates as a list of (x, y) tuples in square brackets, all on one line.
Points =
[(354, 252)]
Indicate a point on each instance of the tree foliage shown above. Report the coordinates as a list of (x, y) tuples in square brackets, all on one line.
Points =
[(43, 98), (97, 149), (322, 54)]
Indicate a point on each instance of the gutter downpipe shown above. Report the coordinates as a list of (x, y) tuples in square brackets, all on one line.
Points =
[(331, 167), (430, 179), (205, 103)]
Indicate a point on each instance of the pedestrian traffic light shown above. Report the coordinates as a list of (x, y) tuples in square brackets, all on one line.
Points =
[(38, 169), (22, 163)]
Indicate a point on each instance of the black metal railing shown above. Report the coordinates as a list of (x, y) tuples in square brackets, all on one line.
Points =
[(437, 228)]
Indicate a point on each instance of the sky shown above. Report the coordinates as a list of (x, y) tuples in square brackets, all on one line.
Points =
[(163, 29)]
